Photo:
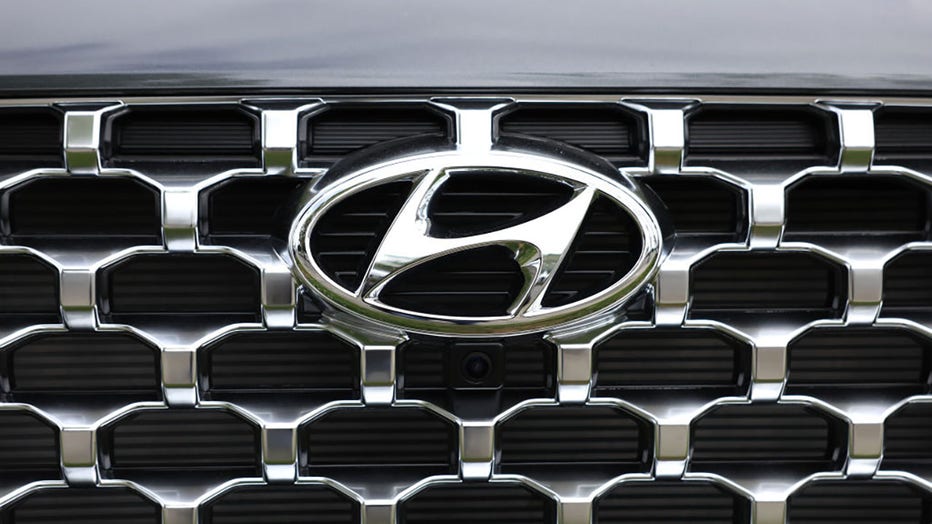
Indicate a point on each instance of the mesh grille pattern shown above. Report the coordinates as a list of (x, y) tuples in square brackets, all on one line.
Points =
[(568, 437), (468, 503), (273, 505), (844, 502), (150, 330), (671, 502), (756, 283), (371, 438), (667, 359), (85, 363), (85, 506), (28, 446), (292, 362), (182, 440), (748, 436), (52, 208)]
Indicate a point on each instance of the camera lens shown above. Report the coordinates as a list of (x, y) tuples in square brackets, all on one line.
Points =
[(476, 367)]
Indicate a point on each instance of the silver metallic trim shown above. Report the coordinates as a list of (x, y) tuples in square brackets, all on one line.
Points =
[(538, 245), (671, 418), (82, 140)]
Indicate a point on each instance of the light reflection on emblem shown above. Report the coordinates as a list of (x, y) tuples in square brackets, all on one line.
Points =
[(538, 245)]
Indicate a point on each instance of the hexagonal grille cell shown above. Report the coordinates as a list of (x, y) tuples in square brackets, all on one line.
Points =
[(195, 441), (398, 441), (793, 284), (787, 437), (664, 360), (304, 363), (85, 364), (504, 503), (546, 439), (842, 502), (666, 502), (279, 504), (29, 447), (171, 285), (113, 505)]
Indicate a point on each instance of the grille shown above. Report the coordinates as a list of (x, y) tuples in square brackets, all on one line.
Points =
[(669, 502), (31, 138), (274, 504), (606, 130), (82, 364), (193, 441), (774, 137), (307, 363), (50, 209), (783, 283), (476, 379), (778, 436), (84, 506), (160, 362), (598, 438), (857, 501), (337, 131), (828, 360), (695, 361), (30, 447), (182, 138), (466, 503)]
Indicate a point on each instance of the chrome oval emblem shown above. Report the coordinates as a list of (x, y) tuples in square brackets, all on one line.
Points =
[(538, 245)]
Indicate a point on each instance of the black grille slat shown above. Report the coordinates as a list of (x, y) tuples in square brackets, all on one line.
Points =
[(781, 435), (283, 362), (388, 437), (700, 206), (479, 282), (858, 359), (84, 208), (608, 131), (788, 137), (552, 437), (855, 206), (907, 284), (479, 202), (471, 503), (903, 136), (28, 286), (85, 506), (340, 131), (80, 363), (182, 440), (30, 138), (28, 446), (216, 137), (176, 284), (606, 247), (660, 502), (906, 437), (837, 502), (346, 237), (280, 504), (253, 207), (773, 282), (665, 359)]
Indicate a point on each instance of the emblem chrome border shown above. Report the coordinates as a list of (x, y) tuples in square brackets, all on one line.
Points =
[(536, 249)]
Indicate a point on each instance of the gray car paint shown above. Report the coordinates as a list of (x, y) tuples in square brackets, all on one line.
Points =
[(278, 45)]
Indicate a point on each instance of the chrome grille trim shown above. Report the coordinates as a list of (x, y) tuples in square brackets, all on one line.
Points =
[(671, 418)]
